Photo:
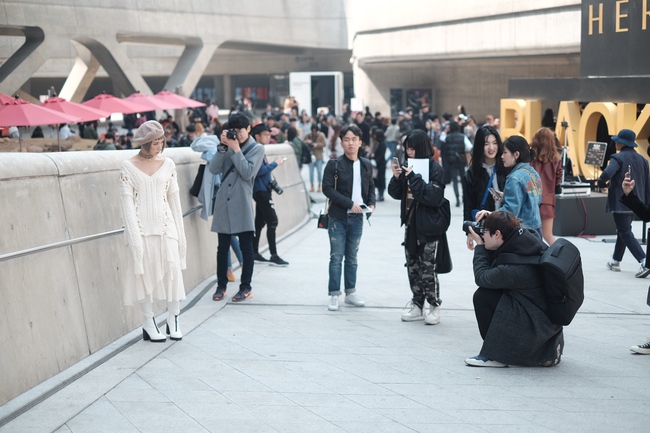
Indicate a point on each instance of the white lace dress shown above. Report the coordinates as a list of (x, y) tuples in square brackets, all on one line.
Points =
[(154, 234)]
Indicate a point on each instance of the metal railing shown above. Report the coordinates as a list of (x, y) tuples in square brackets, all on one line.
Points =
[(61, 244)]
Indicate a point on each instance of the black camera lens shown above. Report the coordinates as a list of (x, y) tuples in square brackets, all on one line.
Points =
[(231, 134), (273, 186), (476, 226)]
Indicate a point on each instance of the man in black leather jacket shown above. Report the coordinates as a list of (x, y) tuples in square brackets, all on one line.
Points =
[(347, 183)]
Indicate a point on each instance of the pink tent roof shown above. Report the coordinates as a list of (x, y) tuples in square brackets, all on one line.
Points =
[(85, 114), (174, 101), (149, 101), (5, 99), (22, 113), (112, 104)]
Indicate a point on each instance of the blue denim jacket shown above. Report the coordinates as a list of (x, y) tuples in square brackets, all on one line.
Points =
[(523, 194)]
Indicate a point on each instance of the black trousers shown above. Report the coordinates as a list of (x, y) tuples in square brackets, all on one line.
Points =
[(265, 215), (485, 304), (223, 250)]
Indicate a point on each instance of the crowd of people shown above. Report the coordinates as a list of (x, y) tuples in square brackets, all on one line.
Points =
[(508, 187)]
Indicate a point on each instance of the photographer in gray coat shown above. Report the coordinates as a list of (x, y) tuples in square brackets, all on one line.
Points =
[(510, 302), (238, 159)]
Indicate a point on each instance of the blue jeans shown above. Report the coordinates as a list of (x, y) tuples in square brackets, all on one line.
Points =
[(625, 238), (345, 236), (318, 165), (392, 146)]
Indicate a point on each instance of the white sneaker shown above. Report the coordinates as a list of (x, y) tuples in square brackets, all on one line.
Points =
[(353, 299), (433, 316), (643, 349), (334, 303), (415, 313), (482, 361)]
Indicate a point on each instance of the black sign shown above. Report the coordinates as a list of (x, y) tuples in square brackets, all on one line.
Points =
[(615, 39), (595, 153)]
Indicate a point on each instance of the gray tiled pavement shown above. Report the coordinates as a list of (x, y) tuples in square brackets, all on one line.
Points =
[(281, 362)]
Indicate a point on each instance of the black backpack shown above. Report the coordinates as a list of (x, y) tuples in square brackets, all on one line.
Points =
[(306, 153), (564, 283)]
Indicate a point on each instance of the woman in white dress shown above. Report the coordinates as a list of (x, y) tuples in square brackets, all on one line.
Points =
[(153, 228)]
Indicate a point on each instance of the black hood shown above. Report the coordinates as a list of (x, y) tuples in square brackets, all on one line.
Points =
[(524, 242)]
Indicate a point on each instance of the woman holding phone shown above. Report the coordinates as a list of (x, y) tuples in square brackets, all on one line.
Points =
[(485, 171), (522, 193), (427, 253)]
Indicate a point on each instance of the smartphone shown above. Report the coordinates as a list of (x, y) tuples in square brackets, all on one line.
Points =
[(396, 161), (629, 171), (285, 158), (363, 206), (494, 192)]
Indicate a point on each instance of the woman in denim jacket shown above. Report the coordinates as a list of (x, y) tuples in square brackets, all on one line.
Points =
[(522, 193)]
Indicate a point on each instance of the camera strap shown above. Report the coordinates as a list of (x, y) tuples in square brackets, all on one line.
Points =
[(232, 167)]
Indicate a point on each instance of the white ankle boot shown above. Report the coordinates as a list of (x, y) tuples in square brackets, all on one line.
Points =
[(173, 329), (150, 331)]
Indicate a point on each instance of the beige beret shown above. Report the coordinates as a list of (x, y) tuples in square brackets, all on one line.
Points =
[(148, 132)]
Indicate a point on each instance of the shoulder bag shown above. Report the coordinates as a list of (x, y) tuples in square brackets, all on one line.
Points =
[(323, 218)]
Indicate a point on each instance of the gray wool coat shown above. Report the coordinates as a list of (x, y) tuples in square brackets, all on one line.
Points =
[(520, 332), (233, 208)]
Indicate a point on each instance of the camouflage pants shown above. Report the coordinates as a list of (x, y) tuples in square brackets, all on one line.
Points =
[(423, 277)]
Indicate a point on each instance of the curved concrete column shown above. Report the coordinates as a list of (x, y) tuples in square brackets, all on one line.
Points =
[(27, 59)]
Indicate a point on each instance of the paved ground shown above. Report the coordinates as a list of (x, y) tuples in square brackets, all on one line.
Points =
[(282, 363)]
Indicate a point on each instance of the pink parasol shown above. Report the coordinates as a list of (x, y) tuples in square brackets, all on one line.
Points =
[(85, 114), (5, 99), (112, 104), (149, 101), (22, 113), (174, 101)]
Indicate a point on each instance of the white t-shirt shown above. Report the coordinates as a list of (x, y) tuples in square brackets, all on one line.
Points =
[(357, 197)]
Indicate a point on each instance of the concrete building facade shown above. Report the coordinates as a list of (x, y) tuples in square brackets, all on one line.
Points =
[(390, 52)]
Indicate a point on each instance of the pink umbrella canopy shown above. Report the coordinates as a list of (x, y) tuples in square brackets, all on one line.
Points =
[(174, 101), (85, 114), (5, 99), (22, 113), (149, 101), (112, 104)]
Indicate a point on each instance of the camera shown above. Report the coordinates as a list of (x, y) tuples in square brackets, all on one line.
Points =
[(273, 186), (231, 134), (476, 226)]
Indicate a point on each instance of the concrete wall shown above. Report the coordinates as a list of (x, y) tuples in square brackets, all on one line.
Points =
[(61, 305), (466, 55)]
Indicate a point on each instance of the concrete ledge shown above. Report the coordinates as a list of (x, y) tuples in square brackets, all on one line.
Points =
[(64, 304)]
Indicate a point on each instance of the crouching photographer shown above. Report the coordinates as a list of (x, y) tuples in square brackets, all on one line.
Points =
[(510, 302), (263, 189)]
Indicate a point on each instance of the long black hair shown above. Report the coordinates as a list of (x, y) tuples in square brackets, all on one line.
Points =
[(478, 151), (517, 143), (420, 141)]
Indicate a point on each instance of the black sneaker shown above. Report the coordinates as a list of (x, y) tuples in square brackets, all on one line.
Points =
[(242, 295), (260, 258), (277, 261)]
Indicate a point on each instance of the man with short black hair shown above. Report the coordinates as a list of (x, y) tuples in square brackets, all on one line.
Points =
[(265, 214), (347, 183), (238, 160), (188, 138)]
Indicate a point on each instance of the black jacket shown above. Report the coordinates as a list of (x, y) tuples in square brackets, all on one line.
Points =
[(341, 196), (474, 189), (424, 194)]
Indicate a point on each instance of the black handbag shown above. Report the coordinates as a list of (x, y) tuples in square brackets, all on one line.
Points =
[(198, 180), (323, 218)]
